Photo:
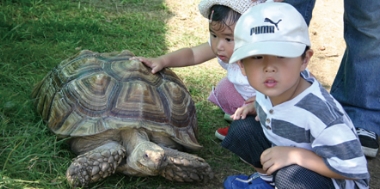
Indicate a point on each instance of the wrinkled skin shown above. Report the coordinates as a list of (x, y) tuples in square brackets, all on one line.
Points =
[(140, 158)]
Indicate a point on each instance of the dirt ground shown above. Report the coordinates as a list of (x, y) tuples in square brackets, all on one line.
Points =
[(326, 32)]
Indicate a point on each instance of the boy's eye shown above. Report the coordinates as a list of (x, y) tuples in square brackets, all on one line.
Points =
[(256, 57), (213, 35), (229, 40)]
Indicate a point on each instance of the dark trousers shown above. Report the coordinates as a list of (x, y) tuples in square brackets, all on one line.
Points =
[(247, 140)]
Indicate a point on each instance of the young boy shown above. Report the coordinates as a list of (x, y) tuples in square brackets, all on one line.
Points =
[(304, 138)]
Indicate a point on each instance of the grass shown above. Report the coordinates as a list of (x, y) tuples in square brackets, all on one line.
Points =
[(36, 35)]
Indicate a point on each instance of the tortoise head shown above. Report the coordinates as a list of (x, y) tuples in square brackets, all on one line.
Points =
[(147, 158)]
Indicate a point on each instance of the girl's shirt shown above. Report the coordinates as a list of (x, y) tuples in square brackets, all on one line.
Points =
[(239, 81), (314, 120)]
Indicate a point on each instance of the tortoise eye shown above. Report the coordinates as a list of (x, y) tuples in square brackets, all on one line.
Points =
[(146, 156)]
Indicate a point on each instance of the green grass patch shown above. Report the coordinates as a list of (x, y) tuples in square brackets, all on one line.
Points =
[(36, 35)]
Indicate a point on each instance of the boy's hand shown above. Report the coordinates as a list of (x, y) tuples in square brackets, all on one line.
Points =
[(247, 108), (155, 63), (276, 158)]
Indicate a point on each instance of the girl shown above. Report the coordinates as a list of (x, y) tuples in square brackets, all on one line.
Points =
[(232, 91)]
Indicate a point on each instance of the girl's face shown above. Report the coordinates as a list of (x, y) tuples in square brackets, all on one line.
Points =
[(222, 40), (276, 77)]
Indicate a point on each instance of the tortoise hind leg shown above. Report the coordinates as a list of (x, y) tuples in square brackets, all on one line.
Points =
[(184, 167), (95, 165)]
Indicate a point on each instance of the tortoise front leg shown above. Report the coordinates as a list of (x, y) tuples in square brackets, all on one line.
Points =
[(184, 167), (95, 165)]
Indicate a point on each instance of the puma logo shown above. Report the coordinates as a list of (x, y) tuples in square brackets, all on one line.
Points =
[(274, 23), (265, 29)]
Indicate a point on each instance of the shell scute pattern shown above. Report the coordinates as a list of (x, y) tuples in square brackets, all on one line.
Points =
[(94, 92)]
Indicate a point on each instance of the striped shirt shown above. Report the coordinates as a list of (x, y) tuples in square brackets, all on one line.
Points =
[(314, 120)]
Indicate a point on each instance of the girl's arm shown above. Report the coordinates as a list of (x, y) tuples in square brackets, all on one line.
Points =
[(180, 58)]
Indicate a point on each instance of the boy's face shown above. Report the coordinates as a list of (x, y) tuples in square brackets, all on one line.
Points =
[(276, 77), (222, 40)]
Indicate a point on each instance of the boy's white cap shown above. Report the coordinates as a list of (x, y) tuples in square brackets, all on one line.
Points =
[(239, 6), (271, 28)]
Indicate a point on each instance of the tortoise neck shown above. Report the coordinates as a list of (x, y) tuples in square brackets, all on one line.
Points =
[(132, 137)]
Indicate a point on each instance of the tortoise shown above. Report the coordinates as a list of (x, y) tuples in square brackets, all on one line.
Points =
[(119, 117)]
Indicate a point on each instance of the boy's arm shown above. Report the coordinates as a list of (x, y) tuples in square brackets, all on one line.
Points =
[(278, 157), (180, 58)]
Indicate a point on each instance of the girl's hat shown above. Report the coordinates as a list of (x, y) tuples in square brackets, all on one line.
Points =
[(239, 6), (271, 28)]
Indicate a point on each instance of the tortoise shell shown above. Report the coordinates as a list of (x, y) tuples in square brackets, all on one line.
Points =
[(93, 92)]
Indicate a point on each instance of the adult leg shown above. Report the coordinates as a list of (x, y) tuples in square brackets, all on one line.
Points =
[(356, 83), (305, 7)]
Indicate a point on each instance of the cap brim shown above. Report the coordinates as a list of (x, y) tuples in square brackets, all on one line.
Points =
[(283, 49)]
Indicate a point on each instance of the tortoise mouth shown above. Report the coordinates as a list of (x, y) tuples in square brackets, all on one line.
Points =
[(150, 167), (147, 170)]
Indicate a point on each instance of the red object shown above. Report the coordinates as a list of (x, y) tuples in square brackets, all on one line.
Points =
[(221, 133)]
